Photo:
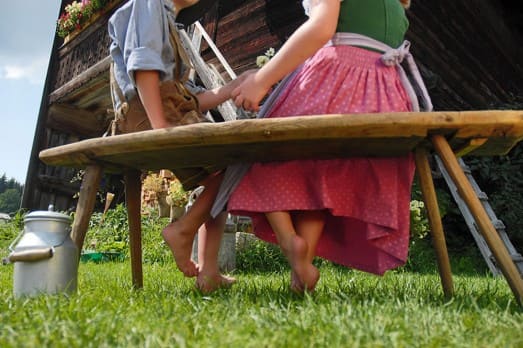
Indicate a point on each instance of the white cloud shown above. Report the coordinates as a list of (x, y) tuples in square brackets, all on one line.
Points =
[(25, 50), (33, 71)]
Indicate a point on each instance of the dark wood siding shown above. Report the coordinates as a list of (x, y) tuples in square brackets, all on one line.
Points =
[(469, 52)]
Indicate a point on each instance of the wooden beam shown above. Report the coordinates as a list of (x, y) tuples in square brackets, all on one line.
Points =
[(70, 119), (321, 136), (436, 227), (86, 202), (58, 184), (470, 146), (100, 68), (133, 188)]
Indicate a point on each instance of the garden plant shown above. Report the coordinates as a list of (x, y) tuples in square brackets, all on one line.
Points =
[(404, 308)]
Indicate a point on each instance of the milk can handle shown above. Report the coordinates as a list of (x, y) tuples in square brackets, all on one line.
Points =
[(31, 255)]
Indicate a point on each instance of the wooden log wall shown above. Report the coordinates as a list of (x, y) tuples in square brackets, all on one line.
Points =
[(469, 56), (469, 53), (74, 107)]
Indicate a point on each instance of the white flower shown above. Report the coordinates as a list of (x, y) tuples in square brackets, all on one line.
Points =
[(261, 61)]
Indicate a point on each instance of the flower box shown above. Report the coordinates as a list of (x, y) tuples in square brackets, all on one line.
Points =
[(78, 15)]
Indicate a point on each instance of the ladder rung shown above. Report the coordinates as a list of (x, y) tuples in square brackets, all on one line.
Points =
[(498, 224), (482, 196), (465, 168), (471, 223)]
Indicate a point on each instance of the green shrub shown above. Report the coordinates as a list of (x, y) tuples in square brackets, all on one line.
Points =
[(463, 251), (501, 178), (111, 233), (9, 231), (154, 248), (260, 256)]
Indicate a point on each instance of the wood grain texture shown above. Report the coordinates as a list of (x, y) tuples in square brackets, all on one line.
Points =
[(466, 191), (468, 53), (436, 227), (321, 136)]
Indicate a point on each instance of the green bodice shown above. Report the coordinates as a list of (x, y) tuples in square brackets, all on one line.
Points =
[(382, 20)]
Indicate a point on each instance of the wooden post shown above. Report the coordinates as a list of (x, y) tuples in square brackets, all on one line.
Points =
[(85, 206), (503, 259), (132, 199), (436, 228)]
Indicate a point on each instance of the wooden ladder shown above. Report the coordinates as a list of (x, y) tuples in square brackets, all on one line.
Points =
[(471, 223)]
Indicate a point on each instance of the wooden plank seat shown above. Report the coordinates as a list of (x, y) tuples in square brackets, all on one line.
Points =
[(482, 133)]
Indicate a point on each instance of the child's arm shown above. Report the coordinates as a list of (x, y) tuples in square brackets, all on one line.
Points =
[(302, 44), (148, 86), (211, 98), (148, 82)]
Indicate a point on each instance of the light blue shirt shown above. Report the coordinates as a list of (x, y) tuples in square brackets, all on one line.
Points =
[(139, 32)]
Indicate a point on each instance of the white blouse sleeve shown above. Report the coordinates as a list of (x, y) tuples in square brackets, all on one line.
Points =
[(307, 6)]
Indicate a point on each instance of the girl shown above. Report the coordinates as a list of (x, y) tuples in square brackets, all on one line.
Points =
[(354, 211)]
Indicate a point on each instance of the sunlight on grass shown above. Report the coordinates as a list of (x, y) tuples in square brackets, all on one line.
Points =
[(349, 309)]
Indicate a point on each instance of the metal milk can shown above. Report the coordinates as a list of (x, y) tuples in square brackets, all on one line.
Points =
[(45, 257)]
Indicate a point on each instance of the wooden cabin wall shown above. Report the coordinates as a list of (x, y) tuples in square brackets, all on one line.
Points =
[(470, 57), (74, 107), (469, 53), (263, 23)]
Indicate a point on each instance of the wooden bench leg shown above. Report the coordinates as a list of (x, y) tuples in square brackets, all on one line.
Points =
[(85, 206), (489, 233), (436, 228), (133, 201)]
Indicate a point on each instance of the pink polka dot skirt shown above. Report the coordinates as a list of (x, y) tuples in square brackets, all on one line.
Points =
[(367, 200)]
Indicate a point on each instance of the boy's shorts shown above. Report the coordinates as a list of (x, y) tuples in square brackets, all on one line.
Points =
[(191, 178)]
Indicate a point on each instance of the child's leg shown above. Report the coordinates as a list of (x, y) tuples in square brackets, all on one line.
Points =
[(179, 235), (294, 247), (209, 239), (309, 225)]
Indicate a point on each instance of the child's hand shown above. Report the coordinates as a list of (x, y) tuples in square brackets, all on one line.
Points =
[(244, 75), (249, 93), (239, 80)]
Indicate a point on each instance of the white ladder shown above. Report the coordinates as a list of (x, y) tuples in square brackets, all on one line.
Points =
[(469, 219), (209, 75)]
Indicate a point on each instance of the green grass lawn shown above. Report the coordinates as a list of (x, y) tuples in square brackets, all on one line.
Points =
[(349, 309)]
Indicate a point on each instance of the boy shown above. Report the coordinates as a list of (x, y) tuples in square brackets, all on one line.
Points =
[(143, 57)]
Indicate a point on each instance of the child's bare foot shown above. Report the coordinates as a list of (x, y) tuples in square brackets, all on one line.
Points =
[(180, 242), (212, 282), (304, 275), (296, 285)]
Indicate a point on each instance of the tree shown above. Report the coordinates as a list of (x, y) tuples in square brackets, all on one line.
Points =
[(11, 183), (10, 200), (3, 183), (10, 194)]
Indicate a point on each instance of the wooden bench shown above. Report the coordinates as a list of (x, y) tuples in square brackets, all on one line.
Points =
[(449, 134)]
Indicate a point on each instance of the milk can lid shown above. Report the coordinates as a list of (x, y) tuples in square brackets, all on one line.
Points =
[(47, 215)]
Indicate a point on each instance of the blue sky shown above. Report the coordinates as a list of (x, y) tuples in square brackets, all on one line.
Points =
[(26, 35)]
